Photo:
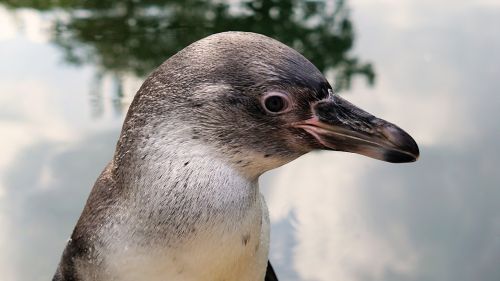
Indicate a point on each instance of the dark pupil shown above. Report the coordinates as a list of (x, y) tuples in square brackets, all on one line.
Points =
[(274, 103)]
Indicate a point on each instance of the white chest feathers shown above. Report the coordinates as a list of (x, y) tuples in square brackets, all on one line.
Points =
[(214, 253), (185, 220)]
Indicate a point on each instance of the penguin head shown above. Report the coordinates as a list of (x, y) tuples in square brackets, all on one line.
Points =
[(259, 104)]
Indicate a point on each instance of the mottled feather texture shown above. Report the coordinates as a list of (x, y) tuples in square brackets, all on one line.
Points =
[(180, 199)]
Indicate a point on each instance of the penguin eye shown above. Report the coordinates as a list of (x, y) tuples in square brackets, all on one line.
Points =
[(276, 102)]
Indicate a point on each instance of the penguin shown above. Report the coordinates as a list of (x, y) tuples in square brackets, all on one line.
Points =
[(180, 199)]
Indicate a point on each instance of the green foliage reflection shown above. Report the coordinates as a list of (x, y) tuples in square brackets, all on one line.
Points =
[(132, 36)]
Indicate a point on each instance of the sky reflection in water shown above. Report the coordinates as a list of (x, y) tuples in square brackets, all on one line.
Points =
[(335, 216)]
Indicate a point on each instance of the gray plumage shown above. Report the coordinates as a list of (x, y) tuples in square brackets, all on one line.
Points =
[(180, 198)]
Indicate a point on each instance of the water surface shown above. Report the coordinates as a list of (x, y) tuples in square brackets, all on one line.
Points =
[(70, 68)]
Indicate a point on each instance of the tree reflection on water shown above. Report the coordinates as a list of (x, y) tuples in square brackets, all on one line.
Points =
[(134, 37)]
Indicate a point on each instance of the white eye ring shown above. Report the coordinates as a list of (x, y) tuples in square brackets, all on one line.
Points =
[(276, 102)]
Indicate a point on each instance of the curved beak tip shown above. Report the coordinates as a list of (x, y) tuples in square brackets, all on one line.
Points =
[(407, 149)]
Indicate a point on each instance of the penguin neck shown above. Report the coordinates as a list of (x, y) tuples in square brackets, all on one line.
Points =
[(173, 188), (159, 165)]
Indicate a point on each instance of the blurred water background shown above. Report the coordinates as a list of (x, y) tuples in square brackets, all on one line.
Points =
[(69, 68)]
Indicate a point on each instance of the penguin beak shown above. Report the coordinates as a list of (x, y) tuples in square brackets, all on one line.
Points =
[(339, 125)]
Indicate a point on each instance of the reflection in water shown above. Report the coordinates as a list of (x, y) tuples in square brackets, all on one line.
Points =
[(45, 190), (335, 216), (134, 37)]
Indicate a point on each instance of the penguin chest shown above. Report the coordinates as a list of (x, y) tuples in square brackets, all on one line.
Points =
[(229, 250)]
